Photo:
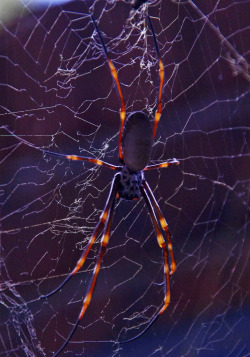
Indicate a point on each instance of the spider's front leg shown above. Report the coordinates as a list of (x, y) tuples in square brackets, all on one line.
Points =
[(148, 195), (103, 218), (106, 218), (163, 222)]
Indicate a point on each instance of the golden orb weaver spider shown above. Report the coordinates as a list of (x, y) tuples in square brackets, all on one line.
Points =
[(129, 183)]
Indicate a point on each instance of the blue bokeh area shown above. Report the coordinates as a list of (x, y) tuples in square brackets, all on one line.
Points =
[(41, 3)]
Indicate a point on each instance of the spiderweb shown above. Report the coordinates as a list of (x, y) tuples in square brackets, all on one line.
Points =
[(57, 94)]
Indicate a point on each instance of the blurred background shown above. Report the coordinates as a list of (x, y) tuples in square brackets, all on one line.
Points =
[(57, 94)]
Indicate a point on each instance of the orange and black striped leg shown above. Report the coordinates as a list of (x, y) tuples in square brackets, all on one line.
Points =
[(163, 164), (163, 223), (82, 158), (88, 296), (162, 245), (161, 75), (115, 77), (105, 214)]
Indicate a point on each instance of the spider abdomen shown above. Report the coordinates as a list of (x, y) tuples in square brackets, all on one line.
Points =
[(137, 141), (130, 182)]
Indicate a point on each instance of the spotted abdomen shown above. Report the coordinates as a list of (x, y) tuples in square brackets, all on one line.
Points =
[(137, 141)]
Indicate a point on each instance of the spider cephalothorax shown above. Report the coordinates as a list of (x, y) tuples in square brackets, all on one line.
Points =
[(130, 182)]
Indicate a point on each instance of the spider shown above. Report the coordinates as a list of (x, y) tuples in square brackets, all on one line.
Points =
[(134, 150)]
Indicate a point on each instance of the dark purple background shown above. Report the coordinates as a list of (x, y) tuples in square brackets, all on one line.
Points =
[(48, 206)]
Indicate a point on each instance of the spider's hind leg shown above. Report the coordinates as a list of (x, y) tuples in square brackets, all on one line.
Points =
[(118, 86), (161, 75)]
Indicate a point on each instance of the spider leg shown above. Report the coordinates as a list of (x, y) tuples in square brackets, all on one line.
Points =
[(162, 245), (88, 296), (163, 223), (115, 77), (163, 164), (161, 75), (82, 158), (103, 218)]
